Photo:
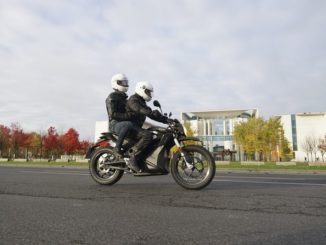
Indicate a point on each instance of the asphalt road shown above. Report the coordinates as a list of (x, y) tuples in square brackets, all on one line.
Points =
[(65, 206)]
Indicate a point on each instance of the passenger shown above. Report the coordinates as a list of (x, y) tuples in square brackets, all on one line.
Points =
[(119, 119)]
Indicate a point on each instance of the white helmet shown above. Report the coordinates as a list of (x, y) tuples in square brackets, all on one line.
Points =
[(145, 90), (120, 82)]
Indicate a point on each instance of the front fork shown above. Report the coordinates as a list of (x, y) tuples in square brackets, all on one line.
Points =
[(184, 154)]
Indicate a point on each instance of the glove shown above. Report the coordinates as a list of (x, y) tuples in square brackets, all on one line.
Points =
[(156, 114), (165, 119), (169, 121)]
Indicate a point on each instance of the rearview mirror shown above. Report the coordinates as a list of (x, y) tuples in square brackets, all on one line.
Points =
[(157, 104)]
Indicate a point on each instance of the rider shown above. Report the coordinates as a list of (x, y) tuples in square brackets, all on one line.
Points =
[(137, 105), (119, 119)]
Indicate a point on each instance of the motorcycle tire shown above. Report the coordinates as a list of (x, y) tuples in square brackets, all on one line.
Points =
[(203, 166), (100, 172)]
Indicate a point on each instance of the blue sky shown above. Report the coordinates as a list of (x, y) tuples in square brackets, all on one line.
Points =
[(57, 57)]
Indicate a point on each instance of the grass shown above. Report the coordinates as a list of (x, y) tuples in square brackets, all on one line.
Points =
[(271, 166), (45, 164), (232, 166)]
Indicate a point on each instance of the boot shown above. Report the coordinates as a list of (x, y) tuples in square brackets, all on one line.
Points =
[(119, 151), (133, 163)]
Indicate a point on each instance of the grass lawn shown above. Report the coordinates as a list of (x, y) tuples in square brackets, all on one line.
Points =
[(221, 166), (45, 164)]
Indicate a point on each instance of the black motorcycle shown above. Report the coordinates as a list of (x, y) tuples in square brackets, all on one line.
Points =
[(191, 165)]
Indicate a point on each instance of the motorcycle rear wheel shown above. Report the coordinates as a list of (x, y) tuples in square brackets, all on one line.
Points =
[(100, 170), (202, 172)]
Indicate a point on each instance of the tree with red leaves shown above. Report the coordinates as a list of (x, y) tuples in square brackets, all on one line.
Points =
[(71, 142), (4, 140), (84, 146), (18, 139), (52, 143)]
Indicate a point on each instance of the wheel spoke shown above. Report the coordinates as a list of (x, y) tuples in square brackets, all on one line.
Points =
[(197, 173)]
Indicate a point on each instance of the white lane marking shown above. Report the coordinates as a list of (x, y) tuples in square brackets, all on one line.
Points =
[(268, 182), (253, 177), (45, 172)]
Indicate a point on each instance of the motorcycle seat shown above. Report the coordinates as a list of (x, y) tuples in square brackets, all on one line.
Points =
[(109, 135)]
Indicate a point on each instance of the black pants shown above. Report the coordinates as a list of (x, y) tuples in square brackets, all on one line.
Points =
[(143, 137)]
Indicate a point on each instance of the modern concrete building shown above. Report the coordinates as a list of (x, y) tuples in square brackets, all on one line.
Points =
[(299, 127), (215, 129)]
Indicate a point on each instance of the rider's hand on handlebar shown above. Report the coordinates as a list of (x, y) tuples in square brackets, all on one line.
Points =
[(170, 121), (156, 114)]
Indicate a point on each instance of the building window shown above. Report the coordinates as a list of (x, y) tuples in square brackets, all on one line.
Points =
[(227, 126), (219, 126)]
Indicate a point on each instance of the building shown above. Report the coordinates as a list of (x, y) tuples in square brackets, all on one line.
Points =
[(100, 127), (215, 129), (298, 128)]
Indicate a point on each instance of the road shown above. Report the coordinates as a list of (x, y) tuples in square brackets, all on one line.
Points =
[(65, 206)]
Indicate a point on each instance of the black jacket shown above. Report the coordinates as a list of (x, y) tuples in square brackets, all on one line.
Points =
[(116, 107), (137, 105)]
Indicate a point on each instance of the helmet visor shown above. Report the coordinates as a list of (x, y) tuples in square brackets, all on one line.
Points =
[(123, 83), (149, 93)]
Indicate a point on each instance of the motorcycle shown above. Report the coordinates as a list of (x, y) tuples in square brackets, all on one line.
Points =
[(171, 151)]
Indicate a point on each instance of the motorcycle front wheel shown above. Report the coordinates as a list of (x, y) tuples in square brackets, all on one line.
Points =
[(200, 174), (99, 167)]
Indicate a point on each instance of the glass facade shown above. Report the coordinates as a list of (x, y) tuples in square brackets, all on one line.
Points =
[(215, 130), (218, 125)]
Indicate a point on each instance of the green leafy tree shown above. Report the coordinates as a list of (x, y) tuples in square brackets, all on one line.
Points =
[(262, 137), (250, 135), (286, 152)]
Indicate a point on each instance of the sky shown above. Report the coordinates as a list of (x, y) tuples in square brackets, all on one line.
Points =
[(57, 57)]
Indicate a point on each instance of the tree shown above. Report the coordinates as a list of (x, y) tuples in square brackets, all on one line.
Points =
[(310, 146), (250, 136), (322, 147), (18, 139), (4, 140), (34, 144), (262, 137), (84, 146), (286, 152), (52, 144), (190, 131), (306, 148), (70, 141)]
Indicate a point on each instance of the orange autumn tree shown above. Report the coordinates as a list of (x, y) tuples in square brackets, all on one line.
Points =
[(18, 140)]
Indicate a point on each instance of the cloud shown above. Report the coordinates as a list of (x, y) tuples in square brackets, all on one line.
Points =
[(57, 57)]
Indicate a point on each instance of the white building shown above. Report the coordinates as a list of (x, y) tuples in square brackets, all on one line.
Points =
[(215, 128), (297, 127), (100, 127)]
